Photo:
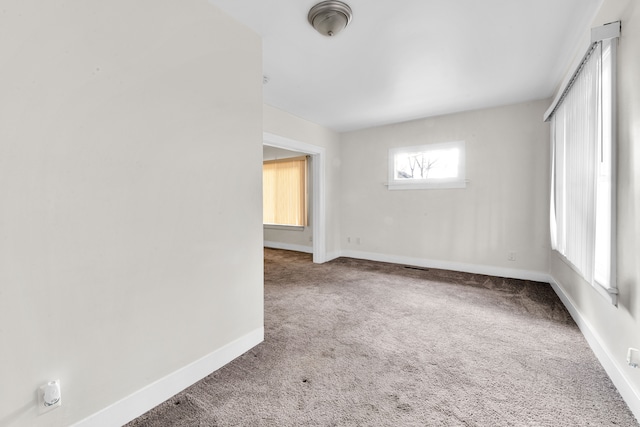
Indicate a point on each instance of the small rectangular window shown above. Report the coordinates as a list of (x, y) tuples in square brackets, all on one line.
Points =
[(427, 166)]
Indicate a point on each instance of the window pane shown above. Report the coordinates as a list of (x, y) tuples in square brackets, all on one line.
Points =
[(604, 189), (427, 166), (435, 164)]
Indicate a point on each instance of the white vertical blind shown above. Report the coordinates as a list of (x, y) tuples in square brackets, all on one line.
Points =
[(583, 169), (604, 274), (575, 137)]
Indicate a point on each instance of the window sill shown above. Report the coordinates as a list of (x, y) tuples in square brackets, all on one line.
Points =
[(284, 227), (610, 294), (427, 185)]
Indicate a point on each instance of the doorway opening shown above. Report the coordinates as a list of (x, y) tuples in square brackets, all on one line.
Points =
[(317, 177)]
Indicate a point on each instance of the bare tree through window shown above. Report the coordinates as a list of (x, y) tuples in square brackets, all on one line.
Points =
[(434, 164)]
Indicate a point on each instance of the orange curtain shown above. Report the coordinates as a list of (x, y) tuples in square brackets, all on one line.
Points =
[(284, 197)]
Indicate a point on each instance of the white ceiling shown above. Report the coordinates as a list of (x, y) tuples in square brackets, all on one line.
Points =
[(406, 59)]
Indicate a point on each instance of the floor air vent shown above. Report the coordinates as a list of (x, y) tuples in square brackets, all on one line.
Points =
[(411, 267)]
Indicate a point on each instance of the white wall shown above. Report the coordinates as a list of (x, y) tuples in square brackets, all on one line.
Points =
[(130, 242), (617, 329), (283, 124), (274, 153), (292, 238), (503, 209)]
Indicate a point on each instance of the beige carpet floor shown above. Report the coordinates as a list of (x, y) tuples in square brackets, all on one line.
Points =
[(359, 343)]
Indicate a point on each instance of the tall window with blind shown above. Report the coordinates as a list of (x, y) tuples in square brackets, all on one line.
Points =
[(284, 197), (583, 138)]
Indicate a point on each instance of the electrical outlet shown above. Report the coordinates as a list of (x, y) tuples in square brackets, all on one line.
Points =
[(357, 240), (633, 357), (348, 239), (511, 256), (49, 396)]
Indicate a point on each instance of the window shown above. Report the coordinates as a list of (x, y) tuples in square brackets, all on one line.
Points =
[(284, 197), (583, 170), (427, 166)]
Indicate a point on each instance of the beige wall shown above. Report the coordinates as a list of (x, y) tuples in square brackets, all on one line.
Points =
[(503, 209), (124, 252), (283, 124), (617, 329)]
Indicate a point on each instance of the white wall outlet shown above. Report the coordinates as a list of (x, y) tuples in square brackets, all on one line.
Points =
[(511, 256), (49, 396), (357, 240), (633, 357), (348, 239)]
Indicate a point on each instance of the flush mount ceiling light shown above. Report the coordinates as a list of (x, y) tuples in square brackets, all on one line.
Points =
[(330, 17)]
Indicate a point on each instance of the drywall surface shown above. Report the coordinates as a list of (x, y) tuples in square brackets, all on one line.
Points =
[(273, 153), (503, 209), (130, 238), (618, 328), (283, 124)]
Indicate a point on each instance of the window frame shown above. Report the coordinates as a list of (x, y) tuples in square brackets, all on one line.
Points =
[(428, 183)]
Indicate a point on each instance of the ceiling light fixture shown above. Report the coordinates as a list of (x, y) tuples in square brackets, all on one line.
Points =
[(330, 17)]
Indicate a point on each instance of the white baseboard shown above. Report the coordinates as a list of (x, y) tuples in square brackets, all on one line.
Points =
[(511, 273), (288, 247), (155, 393), (330, 256), (608, 362)]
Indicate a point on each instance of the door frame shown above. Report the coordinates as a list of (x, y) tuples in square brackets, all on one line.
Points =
[(318, 196)]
